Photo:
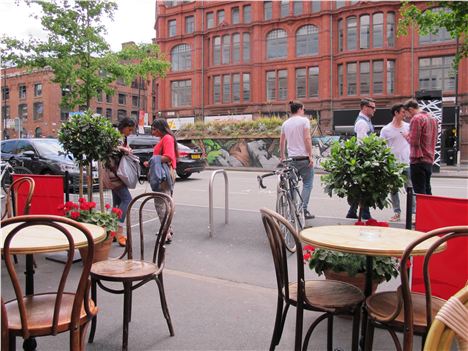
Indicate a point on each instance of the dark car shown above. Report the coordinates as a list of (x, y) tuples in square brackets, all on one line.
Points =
[(43, 156), (190, 159)]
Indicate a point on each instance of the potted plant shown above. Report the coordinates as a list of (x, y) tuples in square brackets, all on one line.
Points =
[(349, 267), (86, 212)]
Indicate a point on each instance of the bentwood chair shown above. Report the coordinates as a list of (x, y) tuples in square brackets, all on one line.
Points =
[(5, 335), (451, 321), (327, 296), (12, 203), (134, 272), (52, 312), (403, 310)]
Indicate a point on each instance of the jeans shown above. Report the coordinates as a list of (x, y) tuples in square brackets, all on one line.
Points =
[(421, 178), (121, 198), (307, 174), (396, 198), (352, 212)]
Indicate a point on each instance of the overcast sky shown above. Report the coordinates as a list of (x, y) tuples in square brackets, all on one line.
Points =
[(133, 21)]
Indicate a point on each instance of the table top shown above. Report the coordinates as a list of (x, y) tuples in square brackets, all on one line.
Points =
[(40, 239), (366, 240)]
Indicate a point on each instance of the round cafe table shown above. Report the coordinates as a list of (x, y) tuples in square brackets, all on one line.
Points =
[(369, 241)]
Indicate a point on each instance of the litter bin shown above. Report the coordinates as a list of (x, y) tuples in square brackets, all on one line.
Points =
[(450, 156)]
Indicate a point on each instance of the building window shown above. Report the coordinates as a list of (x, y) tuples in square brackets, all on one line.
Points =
[(209, 20), (390, 76), (189, 24), (300, 83), (277, 44), (339, 4), (340, 35), (282, 84), (6, 112), (38, 89), (246, 47), (216, 89), (134, 115), (236, 48), (236, 87), (220, 14), (226, 88), (23, 111), (181, 58), (436, 73), (377, 30), (98, 111), (38, 110), (226, 49), (121, 114), (247, 14), (377, 77), (351, 35), (391, 29), (235, 15), (109, 113), (5, 93), (284, 8), (277, 81), (267, 10), (315, 6), (307, 86), (181, 93), (271, 85), (172, 28), (441, 35), (98, 96), (340, 80), (109, 99), (364, 77), (38, 132), (364, 34), (22, 91), (122, 99), (313, 81), (246, 86), (307, 41), (351, 78), (217, 50), (297, 7), (135, 101)]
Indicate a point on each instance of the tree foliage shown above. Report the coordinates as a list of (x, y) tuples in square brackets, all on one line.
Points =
[(77, 52), (453, 17)]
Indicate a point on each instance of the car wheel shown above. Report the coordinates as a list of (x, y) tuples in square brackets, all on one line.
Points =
[(184, 175)]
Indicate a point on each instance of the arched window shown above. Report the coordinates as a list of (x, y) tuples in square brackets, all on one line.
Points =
[(181, 57), (441, 35), (351, 35), (38, 132), (377, 30), (277, 44), (307, 41)]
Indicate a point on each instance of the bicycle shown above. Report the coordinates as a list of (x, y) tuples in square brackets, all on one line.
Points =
[(7, 170), (289, 202)]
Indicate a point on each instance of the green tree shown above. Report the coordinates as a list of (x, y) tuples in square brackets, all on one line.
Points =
[(453, 17)]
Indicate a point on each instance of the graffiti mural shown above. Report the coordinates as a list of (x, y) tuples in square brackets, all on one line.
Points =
[(434, 107)]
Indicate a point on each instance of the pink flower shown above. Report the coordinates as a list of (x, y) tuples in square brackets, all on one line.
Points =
[(117, 211), (307, 256), (309, 248), (81, 199), (371, 221), (108, 206), (91, 204), (75, 215), (359, 223), (112, 233), (84, 206)]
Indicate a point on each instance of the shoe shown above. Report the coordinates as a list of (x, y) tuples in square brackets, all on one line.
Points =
[(122, 241), (308, 215), (395, 218), (352, 215), (169, 238)]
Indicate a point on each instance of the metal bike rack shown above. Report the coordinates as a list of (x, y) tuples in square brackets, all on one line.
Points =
[(226, 200)]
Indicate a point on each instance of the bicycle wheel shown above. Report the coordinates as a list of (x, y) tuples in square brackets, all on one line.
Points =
[(283, 207), (298, 210), (8, 176)]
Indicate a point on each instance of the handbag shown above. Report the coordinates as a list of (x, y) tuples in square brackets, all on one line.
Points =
[(129, 170)]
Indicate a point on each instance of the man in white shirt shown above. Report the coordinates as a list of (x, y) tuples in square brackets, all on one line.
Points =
[(295, 132), (396, 134), (363, 127)]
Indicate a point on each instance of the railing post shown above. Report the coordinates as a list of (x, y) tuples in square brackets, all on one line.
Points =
[(409, 207), (226, 199)]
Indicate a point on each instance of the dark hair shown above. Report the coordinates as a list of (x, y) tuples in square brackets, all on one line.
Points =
[(366, 102), (295, 106), (411, 104), (124, 123), (161, 125), (396, 108)]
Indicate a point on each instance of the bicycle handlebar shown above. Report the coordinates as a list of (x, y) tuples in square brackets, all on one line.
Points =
[(260, 179)]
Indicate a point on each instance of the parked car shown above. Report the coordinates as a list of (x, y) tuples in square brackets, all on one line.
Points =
[(44, 156), (190, 159)]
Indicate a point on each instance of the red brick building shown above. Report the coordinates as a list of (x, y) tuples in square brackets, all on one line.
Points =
[(232, 58)]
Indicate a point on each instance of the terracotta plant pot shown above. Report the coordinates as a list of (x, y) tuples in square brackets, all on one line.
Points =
[(359, 280), (101, 250)]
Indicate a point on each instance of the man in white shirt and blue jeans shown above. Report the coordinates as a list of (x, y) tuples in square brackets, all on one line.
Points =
[(295, 133)]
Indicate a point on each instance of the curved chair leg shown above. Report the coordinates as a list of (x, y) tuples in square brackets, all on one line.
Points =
[(311, 329), (276, 334), (369, 336), (396, 341), (83, 330), (162, 297), (126, 314), (356, 322), (94, 320), (330, 333)]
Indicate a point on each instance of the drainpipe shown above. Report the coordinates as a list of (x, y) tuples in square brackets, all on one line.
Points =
[(203, 62), (457, 110), (331, 70), (412, 61)]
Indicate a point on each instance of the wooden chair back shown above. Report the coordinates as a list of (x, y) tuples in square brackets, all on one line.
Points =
[(12, 203), (451, 321), (138, 203), (446, 234), (60, 225)]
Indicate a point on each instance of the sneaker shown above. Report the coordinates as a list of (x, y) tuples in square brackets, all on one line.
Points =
[(308, 215), (351, 215), (395, 218)]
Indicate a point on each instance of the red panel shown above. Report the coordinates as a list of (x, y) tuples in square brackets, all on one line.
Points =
[(48, 194), (448, 269)]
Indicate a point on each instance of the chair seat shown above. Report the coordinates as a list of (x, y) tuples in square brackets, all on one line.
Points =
[(118, 270), (329, 294), (40, 310), (381, 305)]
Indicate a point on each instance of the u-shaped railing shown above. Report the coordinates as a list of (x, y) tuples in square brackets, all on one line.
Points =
[(226, 199)]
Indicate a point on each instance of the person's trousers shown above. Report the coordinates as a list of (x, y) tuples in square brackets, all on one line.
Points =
[(307, 175), (352, 212), (395, 197), (121, 198), (421, 178)]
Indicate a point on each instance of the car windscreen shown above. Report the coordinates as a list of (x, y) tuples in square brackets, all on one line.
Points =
[(49, 147)]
